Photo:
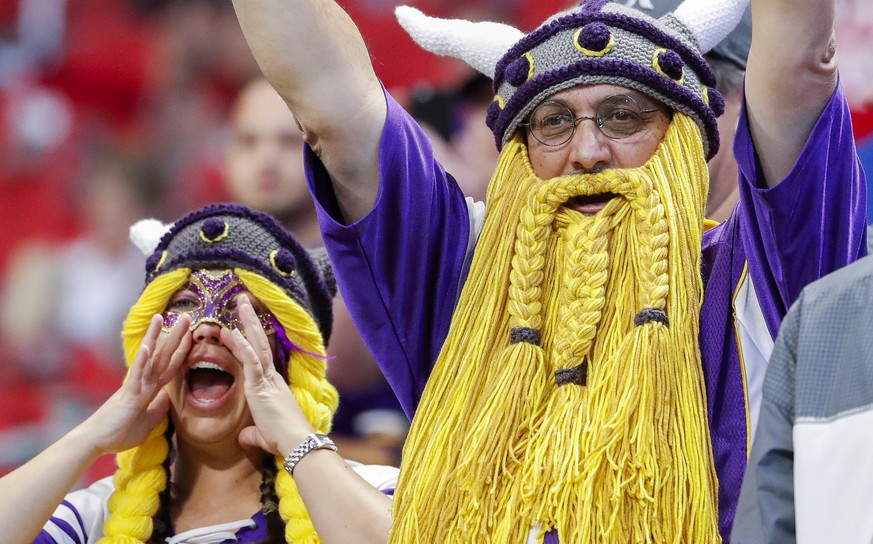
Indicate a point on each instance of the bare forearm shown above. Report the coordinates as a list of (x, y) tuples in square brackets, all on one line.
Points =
[(314, 56), (791, 75), (342, 505), (30, 494)]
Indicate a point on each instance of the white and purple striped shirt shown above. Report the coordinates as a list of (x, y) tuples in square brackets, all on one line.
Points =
[(80, 517)]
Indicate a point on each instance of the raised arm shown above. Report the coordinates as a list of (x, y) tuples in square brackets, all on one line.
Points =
[(314, 56), (791, 74)]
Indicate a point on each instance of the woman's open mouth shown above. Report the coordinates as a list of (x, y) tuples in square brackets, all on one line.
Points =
[(589, 204), (208, 384)]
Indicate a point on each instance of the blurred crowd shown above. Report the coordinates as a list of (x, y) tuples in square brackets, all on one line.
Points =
[(117, 110)]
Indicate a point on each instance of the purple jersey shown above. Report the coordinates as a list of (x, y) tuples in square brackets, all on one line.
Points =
[(401, 267)]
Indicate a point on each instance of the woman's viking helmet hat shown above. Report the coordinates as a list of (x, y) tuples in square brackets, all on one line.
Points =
[(232, 235)]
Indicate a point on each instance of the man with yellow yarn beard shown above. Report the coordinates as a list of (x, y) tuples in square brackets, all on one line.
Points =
[(584, 359), (219, 424)]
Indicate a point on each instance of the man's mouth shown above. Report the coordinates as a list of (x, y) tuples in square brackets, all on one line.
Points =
[(208, 383), (589, 204)]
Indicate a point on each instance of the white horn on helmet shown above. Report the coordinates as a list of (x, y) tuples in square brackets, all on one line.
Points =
[(710, 20), (481, 45), (146, 234)]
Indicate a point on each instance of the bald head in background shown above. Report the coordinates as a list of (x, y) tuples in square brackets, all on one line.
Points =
[(264, 161)]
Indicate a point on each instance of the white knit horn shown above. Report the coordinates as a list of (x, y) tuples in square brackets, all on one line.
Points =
[(481, 45), (146, 234), (711, 20)]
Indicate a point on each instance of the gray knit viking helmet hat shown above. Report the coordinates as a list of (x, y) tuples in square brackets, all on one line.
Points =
[(599, 41), (231, 236), (734, 48)]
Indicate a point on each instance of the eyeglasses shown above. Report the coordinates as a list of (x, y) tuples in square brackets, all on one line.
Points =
[(619, 116)]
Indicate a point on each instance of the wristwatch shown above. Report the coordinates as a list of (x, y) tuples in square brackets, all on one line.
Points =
[(313, 441)]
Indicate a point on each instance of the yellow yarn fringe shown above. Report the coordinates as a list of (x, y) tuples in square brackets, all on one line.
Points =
[(497, 447), (140, 477)]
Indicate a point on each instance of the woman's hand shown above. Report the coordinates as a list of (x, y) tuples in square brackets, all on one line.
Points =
[(29, 494), (280, 424), (127, 417), (343, 506)]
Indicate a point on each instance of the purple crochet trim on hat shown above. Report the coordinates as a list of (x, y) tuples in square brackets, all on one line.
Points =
[(593, 6), (517, 71), (492, 116), (594, 37), (588, 15), (690, 55), (671, 64), (319, 293), (609, 68), (213, 228), (285, 261), (319, 296), (223, 257), (716, 100), (153, 261)]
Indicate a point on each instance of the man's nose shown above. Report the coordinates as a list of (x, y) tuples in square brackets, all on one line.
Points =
[(588, 149)]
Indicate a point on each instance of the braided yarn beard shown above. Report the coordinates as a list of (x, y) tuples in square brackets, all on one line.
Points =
[(610, 302)]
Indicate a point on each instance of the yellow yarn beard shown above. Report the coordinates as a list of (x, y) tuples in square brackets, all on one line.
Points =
[(497, 447), (140, 476)]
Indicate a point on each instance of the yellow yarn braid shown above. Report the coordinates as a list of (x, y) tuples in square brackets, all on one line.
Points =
[(497, 447), (306, 376), (140, 476)]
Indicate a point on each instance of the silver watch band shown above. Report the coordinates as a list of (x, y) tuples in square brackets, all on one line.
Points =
[(313, 441)]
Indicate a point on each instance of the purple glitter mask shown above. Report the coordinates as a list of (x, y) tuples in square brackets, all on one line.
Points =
[(211, 298)]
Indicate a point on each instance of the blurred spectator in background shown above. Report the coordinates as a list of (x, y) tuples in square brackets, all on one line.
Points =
[(38, 160), (63, 304), (193, 78), (263, 165), (121, 76), (263, 169), (454, 119), (31, 34)]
